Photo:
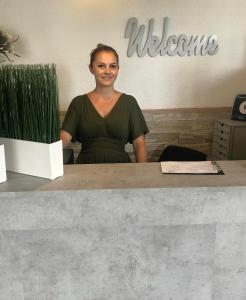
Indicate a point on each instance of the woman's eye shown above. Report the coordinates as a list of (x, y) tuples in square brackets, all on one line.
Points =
[(100, 66), (113, 67)]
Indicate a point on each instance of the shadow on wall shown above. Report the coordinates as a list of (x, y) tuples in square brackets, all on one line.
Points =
[(225, 88), (193, 127), (64, 76)]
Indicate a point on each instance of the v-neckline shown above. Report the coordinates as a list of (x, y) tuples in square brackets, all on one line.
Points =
[(110, 112)]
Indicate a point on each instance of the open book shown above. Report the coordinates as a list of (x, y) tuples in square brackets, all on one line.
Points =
[(190, 167)]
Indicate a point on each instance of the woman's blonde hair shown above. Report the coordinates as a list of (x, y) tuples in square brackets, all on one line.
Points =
[(100, 48)]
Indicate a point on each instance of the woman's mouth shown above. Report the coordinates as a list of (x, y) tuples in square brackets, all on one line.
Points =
[(107, 77)]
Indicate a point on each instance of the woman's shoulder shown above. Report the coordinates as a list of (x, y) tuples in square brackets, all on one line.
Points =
[(78, 100), (129, 99)]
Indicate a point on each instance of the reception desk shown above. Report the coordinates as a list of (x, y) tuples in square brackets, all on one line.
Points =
[(124, 231)]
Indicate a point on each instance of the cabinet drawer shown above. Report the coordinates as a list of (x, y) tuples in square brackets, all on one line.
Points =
[(221, 139), (222, 128), (220, 151)]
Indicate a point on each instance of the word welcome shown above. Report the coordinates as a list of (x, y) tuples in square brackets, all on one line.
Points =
[(173, 45)]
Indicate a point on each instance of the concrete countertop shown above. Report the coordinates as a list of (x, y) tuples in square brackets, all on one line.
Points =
[(124, 231), (120, 176)]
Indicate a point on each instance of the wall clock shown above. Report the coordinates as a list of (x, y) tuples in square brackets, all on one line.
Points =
[(239, 108)]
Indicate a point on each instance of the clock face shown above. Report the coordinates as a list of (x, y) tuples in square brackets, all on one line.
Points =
[(239, 108), (242, 108)]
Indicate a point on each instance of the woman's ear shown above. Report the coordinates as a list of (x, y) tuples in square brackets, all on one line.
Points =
[(90, 68)]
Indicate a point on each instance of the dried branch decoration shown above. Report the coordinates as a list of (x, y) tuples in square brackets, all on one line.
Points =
[(6, 45)]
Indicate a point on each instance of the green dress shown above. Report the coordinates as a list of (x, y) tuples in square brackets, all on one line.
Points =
[(103, 139)]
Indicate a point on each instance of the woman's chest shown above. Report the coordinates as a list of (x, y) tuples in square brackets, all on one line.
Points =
[(115, 125)]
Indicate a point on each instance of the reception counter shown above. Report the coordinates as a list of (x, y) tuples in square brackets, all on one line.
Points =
[(124, 231)]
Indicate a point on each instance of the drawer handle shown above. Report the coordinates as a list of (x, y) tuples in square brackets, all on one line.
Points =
[(221, 131), (221, 124), (221, 139)]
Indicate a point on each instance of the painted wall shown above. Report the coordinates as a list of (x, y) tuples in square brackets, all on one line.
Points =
[(65, 31)]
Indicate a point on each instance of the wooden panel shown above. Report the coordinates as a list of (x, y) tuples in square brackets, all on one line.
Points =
[(189, 127)]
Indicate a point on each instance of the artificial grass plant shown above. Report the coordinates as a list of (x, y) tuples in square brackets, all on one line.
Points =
[(29, 102)]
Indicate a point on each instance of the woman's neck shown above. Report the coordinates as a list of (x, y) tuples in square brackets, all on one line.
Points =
[(104, 93)]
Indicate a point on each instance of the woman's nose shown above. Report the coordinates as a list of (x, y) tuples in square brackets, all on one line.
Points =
[(107, 70)]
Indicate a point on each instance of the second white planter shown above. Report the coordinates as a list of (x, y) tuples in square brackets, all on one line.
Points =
[(33, 158)]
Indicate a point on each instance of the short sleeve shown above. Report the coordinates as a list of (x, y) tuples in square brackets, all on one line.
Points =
[(137, 124), (70, 122)]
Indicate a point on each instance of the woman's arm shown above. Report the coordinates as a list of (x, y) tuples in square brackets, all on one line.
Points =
[(140, 150), (65, 137)]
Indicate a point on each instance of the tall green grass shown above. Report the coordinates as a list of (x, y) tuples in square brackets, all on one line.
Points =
[(29, 103)]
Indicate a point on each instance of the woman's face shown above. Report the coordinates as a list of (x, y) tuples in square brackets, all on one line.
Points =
[(105, 68)]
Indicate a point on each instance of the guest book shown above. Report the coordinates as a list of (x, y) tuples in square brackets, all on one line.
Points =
[(190, 167)]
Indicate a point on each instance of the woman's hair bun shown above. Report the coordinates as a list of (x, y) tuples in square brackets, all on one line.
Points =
[(100, 45)]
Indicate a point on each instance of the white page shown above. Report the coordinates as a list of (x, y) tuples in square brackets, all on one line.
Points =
[(189, 167)]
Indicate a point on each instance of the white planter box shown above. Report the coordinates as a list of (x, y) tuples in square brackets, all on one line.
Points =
[(3, 176), (32, 158)]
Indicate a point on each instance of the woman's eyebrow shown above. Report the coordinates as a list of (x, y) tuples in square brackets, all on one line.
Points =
[(113, 62)]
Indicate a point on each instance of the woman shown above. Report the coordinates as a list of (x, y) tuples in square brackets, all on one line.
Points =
[(104, 120)]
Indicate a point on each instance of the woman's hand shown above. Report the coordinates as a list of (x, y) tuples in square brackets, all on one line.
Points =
[(65, 137), (140, 150)]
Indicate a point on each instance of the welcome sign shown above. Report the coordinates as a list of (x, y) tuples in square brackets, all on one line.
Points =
[(181, 45)]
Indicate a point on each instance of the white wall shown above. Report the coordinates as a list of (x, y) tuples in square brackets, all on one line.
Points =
[(65, 31)]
